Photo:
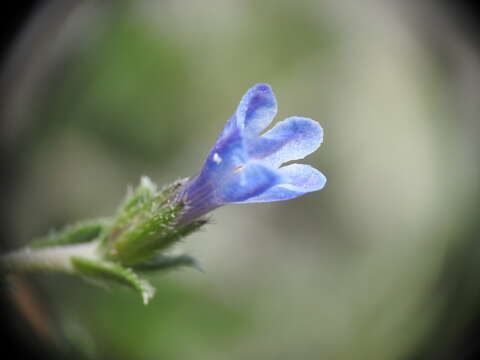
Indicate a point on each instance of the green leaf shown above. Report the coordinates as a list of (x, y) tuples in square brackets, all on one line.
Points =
[(166, 262), (81, 232), (108, 273)]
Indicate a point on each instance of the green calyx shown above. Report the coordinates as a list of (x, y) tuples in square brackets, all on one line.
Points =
[(145, 224)]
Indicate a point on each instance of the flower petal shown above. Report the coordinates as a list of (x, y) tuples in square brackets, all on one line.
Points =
[(298, 179), (245, 182), (291, 139), (256, 109), (227, 154)]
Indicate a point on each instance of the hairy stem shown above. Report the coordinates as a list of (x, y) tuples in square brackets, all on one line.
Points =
[(57, 258)]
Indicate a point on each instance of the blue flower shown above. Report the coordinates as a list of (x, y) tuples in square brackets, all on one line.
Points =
[(244, 166)]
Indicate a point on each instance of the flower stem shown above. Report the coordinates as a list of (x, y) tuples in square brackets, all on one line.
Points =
[(57, 258)]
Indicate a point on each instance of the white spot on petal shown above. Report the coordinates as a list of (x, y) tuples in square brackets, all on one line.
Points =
[(217, 159)]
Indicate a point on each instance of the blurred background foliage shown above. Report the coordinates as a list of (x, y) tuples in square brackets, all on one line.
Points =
[(381, 264)]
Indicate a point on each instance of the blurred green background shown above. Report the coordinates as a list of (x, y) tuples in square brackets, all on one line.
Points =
[(368, 268)]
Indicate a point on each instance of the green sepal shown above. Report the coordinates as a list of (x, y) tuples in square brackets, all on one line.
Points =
[(81, 232), (146, 224), (168, 262), (107, 274)]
